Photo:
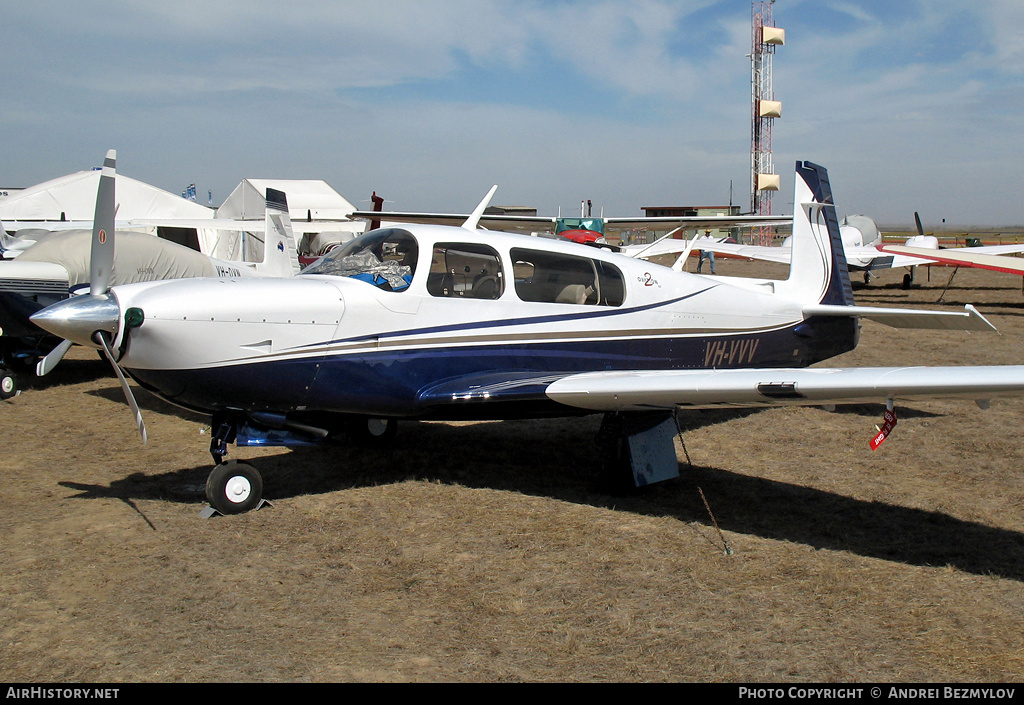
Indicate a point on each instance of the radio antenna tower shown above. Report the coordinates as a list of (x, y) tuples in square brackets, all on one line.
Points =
[(763, 179)]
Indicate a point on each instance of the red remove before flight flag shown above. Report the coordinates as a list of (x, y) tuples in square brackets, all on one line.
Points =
[(887, 426)]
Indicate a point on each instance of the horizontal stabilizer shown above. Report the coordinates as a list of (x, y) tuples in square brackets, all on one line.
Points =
[(968, 319), (669, 389)]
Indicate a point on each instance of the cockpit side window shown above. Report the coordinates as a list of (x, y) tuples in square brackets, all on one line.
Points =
[(385, 258), (465, 270), (566, 279)]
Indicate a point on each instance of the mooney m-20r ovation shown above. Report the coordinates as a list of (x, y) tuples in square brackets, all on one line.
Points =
[(454, 322)]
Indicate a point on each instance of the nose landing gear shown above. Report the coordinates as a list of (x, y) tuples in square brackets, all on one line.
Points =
[(234, 487)]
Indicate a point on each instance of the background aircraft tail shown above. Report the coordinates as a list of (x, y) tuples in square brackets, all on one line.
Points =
[(818, 271), (280, 254), (7, 242)]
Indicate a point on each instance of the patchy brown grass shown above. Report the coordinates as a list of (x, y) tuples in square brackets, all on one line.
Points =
[(488, 552)]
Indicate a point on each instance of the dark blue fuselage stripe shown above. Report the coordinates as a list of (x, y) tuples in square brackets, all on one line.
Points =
[(415, 382)]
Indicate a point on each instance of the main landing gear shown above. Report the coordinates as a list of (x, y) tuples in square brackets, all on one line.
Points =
[(638, 449)]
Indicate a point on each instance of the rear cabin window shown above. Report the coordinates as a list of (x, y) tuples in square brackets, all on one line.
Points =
[(465, 270), (384, 258), (566, 279)]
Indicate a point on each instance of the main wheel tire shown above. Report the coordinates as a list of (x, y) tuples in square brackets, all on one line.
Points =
[(369, 431), (8, 383), (234, 487)]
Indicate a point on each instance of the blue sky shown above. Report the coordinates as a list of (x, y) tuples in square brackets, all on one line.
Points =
[(912, 105)]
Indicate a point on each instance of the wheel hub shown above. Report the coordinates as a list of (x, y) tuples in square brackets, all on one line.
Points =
[(377, 427), (238, 489)]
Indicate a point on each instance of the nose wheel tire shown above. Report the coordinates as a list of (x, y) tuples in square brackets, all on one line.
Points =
[(234, 487)]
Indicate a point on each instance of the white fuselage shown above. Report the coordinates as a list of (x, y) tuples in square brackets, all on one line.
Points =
[(333, 342)]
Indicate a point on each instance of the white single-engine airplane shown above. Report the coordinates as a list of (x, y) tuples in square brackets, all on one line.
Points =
[(441, 322)]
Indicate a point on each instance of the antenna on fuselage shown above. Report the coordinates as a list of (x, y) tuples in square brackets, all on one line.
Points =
[(473, 220)]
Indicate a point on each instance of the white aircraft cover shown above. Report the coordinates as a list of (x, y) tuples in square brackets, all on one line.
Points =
[(319, 214), (306, 198), (137, 257), (74, 195)]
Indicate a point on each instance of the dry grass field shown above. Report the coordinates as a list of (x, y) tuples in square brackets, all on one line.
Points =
[(488, 552)]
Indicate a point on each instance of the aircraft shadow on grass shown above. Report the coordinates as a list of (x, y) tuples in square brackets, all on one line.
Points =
[(67, 373), (148, 403), (550, 458)]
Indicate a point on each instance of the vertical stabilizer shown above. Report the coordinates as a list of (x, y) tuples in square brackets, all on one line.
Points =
[(6, 241), (818, 271), (280, 254)]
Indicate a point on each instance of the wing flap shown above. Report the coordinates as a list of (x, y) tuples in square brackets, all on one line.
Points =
[(705, 389)]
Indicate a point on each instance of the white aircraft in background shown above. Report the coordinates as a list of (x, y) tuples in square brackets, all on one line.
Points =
[(865, 251), (61, 265), (455, 322), (986, 257)]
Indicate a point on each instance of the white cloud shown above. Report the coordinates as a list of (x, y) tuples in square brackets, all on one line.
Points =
[(480, 91)]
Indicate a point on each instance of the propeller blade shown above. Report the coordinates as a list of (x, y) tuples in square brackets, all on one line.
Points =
[(917, 219), (129, 397), (102, 252), (46, 365)]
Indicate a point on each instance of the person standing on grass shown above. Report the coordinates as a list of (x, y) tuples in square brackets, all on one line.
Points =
[(706, 255)]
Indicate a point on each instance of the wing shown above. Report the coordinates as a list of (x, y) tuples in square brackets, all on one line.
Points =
[(489, 222), (782, 255), (703, 389), (881, 257), (962, 257), (704, 222), (534, 223), (857, 258)]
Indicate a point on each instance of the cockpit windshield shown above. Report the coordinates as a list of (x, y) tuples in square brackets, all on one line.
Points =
[(385, 258)]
